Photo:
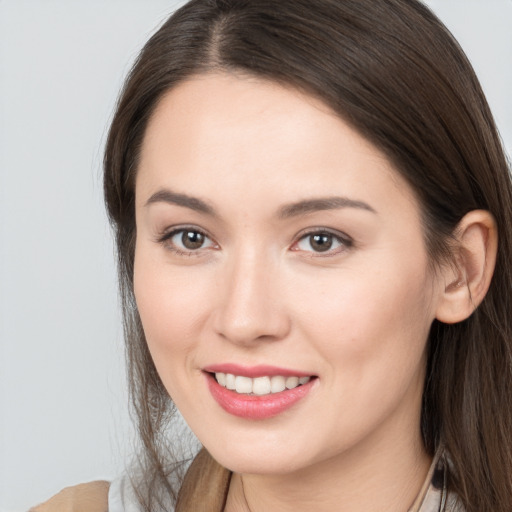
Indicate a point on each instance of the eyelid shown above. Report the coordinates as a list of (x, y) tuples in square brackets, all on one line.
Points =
[(169, 232)]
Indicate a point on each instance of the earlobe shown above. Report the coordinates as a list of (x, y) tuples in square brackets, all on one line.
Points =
[(467, 280)]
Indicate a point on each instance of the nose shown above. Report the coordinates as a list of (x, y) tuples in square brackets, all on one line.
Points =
[(249, 309)]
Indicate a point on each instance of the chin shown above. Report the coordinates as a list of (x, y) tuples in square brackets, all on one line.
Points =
[(271, 457), (259, 464)]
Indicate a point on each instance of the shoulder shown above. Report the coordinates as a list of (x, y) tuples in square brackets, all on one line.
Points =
[(89, 497)]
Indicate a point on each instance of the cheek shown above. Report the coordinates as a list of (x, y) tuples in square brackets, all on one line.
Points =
[(172, 307), (372, 334), (370, 326)]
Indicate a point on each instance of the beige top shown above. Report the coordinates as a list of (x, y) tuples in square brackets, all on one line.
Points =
[(91, 497)]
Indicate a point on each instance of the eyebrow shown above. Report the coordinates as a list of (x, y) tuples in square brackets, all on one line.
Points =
[(320, 204), (170, 197), (285, 212)]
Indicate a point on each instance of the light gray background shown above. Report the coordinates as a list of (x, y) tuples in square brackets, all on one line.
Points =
[(63, 416)]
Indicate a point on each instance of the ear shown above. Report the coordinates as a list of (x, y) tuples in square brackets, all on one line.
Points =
[(467, 280)]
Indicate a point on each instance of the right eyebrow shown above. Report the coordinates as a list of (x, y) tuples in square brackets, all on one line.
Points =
[(168, 196)]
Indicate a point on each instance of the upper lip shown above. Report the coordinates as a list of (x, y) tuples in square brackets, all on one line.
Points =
[(261, 370)]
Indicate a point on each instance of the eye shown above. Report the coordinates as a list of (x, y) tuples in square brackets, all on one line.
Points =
[(322, 242), (187, 240)]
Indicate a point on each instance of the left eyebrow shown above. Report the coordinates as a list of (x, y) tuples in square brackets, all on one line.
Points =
[(320, 204)]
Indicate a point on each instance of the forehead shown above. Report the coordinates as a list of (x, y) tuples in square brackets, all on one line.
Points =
[(211, 106), (220, 129)]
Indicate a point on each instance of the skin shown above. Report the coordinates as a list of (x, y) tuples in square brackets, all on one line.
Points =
[(356, 316)]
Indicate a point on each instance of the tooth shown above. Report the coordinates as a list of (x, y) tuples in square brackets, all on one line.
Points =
[(230, 381), (243, 384), (292, 382), (277, 384), (261, 386)]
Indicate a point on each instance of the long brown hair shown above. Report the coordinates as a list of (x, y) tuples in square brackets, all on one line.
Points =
[(392, 70)]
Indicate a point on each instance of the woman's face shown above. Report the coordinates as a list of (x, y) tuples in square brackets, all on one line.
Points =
[(275, 243)]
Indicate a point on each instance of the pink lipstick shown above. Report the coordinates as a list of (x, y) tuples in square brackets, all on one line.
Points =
[(257, 392)]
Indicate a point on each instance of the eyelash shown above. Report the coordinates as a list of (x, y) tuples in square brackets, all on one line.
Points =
[(344, 240)]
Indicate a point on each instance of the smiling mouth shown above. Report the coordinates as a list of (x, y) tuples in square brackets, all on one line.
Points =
[(259, 386), (260, 393)]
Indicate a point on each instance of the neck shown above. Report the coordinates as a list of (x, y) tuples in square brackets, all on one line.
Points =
[(373, 478)]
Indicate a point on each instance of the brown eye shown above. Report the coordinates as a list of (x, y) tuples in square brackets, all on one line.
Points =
[(192, 240), (187, 240), (321, 242)]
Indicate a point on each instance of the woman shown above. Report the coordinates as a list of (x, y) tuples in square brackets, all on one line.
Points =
[(310, 200)]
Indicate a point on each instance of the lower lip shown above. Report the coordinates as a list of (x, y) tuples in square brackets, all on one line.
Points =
[(256, 407)]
